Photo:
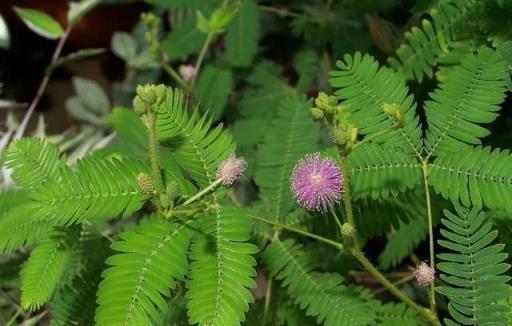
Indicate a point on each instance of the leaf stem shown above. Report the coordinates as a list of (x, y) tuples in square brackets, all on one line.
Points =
[(430, 233), (299, 231), (429, 315), (174, 74), (201, 193), (283, 12), (347, 194), (333, 212), (268, 299), (201, 56), (370, 137)]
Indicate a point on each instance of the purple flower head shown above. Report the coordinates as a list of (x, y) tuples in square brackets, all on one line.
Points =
[(317, 183), (231, 169)]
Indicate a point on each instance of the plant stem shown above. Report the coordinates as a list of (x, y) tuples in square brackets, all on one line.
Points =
[(268, 299), (429, 315), (333, 212), (283, 12), (347, 194), (430, 234), (397, 283), (200, 194), (14, 317), (299, 231), (201, 56), (153, 153), (44, 83), (174, 75)]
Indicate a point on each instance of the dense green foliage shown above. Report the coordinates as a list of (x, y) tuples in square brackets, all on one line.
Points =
[(146, 229)]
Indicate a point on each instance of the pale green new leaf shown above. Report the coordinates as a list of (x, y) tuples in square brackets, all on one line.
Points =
[(40, 23), (150, 260), (222, 269)]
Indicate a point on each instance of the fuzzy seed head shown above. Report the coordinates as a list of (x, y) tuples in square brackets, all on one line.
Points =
[(231, 169), (317, 183), (145, 183), (424, 274)]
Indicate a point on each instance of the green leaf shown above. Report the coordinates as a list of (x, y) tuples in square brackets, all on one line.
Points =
[(34, 161), (184, 40), (365, 89), (307, 64), (150, 260), (470, 94), (322, 295), (44, 269), (392, 314), (5, 37), (92, 95), (130, 130), (474, 270), (379, 172), (213, 89), (79, 9), (285, 143), (124, 45), (476, 177), (197, 148), (40, 23), (222, 269), (242, 35)]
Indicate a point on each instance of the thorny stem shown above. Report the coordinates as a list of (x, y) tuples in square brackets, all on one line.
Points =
[(330, 242), (200, 194), (153, 153), (428, 314), (430, 233), (44, 83)]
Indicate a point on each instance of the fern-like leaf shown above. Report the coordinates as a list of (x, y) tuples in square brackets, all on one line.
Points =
[(242, 35), (364, 89), (33, 161), (149, 262), (434, 39), (473, 270), (44, 269), (97, 189), (392, 314), (197, 147), (321, 294), (378, 172), (470, 94), (222, 269), (476, 176), (285, 143)]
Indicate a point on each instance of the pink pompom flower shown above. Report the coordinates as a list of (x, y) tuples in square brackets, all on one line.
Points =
[(317, 183), (424, 274), (230, 170)]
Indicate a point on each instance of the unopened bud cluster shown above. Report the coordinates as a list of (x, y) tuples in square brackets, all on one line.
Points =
[(149, 97), (152, 30), (326, 108)]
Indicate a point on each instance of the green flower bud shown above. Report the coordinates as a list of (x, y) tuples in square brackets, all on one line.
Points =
[(164, 201), (147, 93), (172, 190), (139, 106), (326, 103), (145, 183), (348, 234), (341, 136), (316, 114)]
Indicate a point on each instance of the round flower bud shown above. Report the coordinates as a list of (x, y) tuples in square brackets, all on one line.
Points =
[(230, 170), (145, 183), (341, 136), (424, 274), (316, 114), (164, 201), (187, 72), (139, 106), (172, 190), (146, 93)]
